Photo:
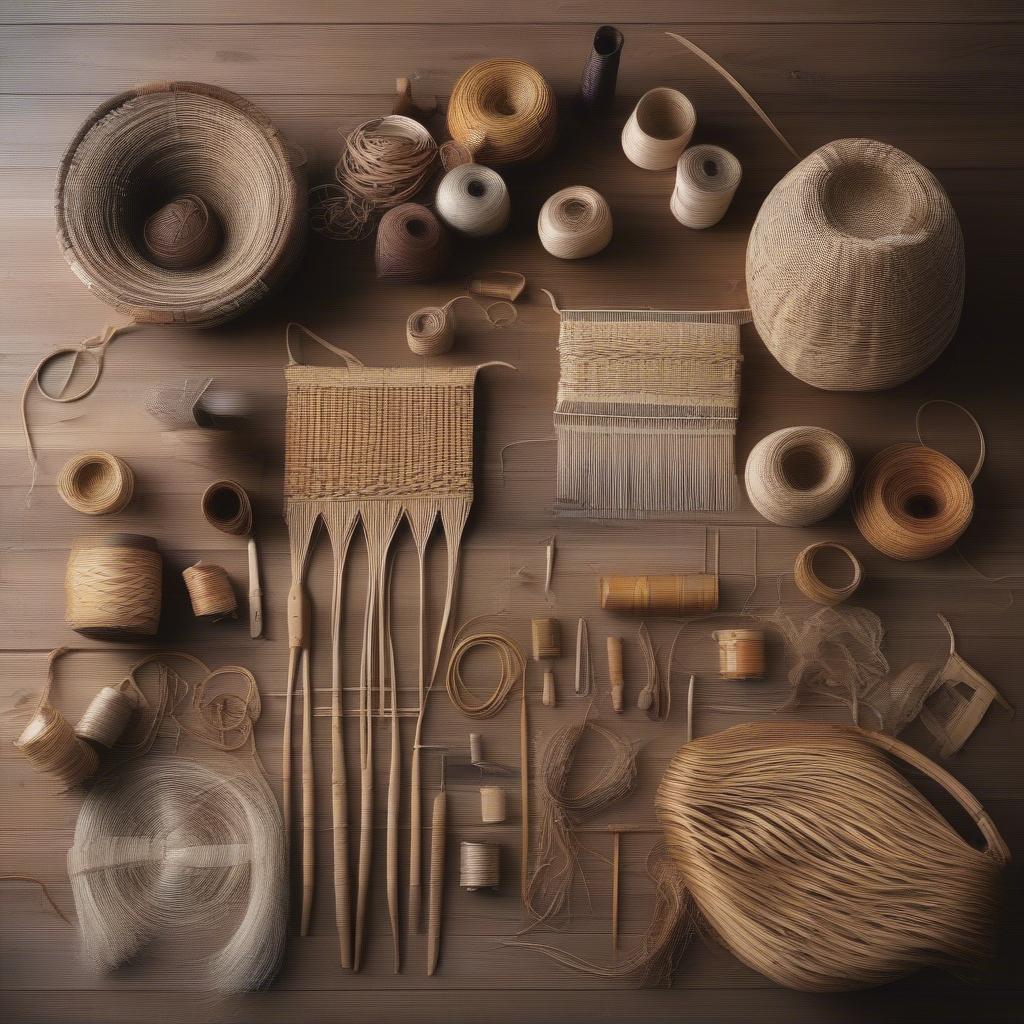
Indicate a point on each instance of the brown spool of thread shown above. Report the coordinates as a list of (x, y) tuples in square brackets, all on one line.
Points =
[(493, 805), (182, 234), (913, 502), (547, 639), (740, 653), (51, 747), (479, 866), (96, 483), (210, 591), (107, 716), (810, 583), (660, 595), (412, 244), (227, 508), (112, 586)]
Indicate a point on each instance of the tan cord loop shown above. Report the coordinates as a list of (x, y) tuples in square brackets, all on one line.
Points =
[(513, 668), (430, 331), (816, 589), (973, 475), (292, 361), (96, 483)]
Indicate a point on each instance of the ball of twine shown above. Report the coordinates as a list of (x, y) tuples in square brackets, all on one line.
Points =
[(112, 587), (706, 180), (209, 590), (575, 223), (96, 483), (431, 331), (386, 162), (51, 747), (503, 111), (812, 586), (226, 507), (799, 475), (659, 129), (474, 200), (912, 502), (182, 234), (412, 244)]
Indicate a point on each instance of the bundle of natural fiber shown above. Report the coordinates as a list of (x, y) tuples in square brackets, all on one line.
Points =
[(646, 412), (575, 222), (504, 112), (182, 234), (172, 844), (855, 268), (817, 864), (412, 244), (166, 143), (474, 200)]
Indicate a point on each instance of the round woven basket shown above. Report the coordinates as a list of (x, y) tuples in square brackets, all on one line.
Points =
[(150, 146), (855, 268)]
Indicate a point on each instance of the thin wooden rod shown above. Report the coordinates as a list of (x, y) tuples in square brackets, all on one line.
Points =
[(308, 798)]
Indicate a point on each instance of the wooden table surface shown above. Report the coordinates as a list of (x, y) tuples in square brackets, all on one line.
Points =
[(939, 78)]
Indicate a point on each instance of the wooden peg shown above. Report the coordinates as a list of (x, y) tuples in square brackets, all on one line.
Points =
[(615, 676)]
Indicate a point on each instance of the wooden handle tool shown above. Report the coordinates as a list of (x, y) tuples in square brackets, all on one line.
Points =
[(615, 676)]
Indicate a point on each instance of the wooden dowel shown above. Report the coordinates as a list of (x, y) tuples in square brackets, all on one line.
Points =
[(308, 808), (436, 893), (286, 746), (339, 783), (255, 592), (616, 852), (615, 676), (548, 697), (524, 798)]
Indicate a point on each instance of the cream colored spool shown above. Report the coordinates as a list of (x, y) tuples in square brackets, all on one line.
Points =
[(210, 590), (799, 475), (816, 589), (493, 805), (476, 748), (659, 129), (50, 745), (106, 718), (740, 653), (574, 223), (473, 200), (707, 178), (96, 483), (479, 866)]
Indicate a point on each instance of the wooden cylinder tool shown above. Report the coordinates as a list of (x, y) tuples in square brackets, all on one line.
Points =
[(694, 594), (740, 653), (548, 694), (615, 677)]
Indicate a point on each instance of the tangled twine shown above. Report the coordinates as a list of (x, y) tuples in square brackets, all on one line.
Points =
[(503, 111), (474, 200), (412, 244), (574, 223), (706, 180), (772, 478), (659, 129), (386, 162), (430, 331), (96, 483), (513, 668)]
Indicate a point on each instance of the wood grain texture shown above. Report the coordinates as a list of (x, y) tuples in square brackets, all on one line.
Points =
[(940, 78)]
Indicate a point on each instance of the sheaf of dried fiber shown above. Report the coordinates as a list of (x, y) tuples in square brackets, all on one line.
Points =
[(170, 848), (818, 865)]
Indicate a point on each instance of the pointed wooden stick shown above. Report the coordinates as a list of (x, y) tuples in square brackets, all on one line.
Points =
[(308, 797), (394, 779), (436, 894), (255, 592)]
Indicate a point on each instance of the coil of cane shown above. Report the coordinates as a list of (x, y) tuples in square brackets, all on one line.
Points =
[(574, 223), (431, 331), (706, 180), (386, 162), (209, 590), (112, 586), (107, 716), (412, 244), (601, 71), (513, 668), (474, 200), (912, 502), (799, 475), (659, 129), (504, 112), (816, 589), (479, 866), (227, 508), (96, 483)]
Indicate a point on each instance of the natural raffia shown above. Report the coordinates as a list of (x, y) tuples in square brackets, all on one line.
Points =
[(504, 112), (574, 223), (412, 244), (473, 200), (96, 483)]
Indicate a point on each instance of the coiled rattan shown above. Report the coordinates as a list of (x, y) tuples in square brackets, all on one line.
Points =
[(96, 483), (812, 586), (773, 478), (659, 129), (504, 112), (474, 200), (855, 268), (154, 144), (706, 180), (574, 223)]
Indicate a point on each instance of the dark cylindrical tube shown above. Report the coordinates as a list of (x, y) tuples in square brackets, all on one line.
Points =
[(597, 83)]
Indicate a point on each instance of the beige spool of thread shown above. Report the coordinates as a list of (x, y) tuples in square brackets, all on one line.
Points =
[(616, 679), (499, 284), (107, 716), (96, 483), (659, 129), (210, 590), (707, 178), (479, 866), (431, 331), (493, 805), (112, 586), (660, 595), (810, 583), (51, 747), (574, 223), (473, 200), (740, 653), (547, 638), (476, 748)]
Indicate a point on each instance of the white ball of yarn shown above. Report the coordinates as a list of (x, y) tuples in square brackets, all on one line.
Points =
[(474, 200), (706, 180), (574, 223), (799, 475)]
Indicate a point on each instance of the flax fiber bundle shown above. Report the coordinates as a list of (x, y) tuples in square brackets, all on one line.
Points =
[(818, 865), (156, 145), (503, 112), (855, 268)]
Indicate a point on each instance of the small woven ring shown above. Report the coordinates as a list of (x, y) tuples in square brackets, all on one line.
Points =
[(812, 586)]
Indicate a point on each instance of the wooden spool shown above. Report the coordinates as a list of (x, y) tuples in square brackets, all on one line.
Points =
[(740, 653), (694, 594)]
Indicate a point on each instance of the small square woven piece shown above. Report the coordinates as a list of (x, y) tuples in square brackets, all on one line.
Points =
[(646, 412)]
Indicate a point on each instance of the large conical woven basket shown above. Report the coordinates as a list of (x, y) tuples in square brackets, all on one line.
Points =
[(151, 145), (855, 268)]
